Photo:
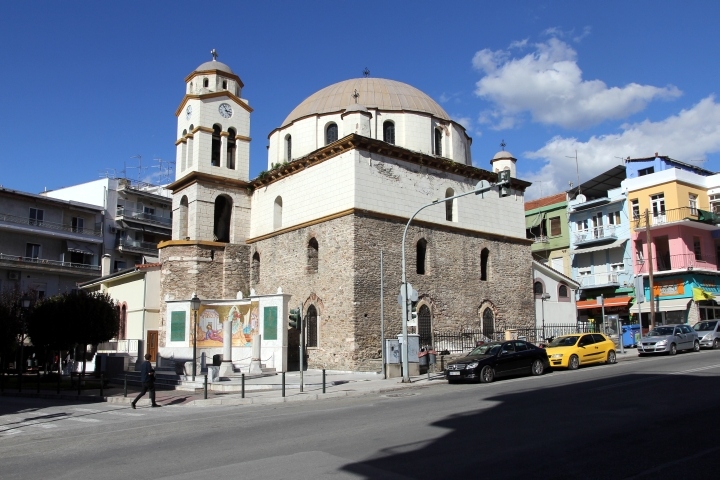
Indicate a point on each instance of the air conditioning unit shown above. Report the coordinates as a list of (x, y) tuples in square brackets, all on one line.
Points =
[(13, 275)]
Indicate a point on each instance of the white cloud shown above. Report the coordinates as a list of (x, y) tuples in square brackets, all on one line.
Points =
[(692, 134), (548, 85)]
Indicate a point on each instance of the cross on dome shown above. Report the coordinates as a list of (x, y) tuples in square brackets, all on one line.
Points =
[(214, 54), (503, 144), (366, 72), (355, 95)]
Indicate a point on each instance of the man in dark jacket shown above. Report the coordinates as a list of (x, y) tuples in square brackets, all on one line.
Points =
[(147, 377)]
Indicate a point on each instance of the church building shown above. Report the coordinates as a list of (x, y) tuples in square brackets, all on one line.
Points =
[(346, 169)]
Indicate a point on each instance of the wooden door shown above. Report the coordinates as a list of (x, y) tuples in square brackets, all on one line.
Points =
[(152, 344)]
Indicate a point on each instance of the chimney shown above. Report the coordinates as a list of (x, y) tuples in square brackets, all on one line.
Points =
[(105, 265)]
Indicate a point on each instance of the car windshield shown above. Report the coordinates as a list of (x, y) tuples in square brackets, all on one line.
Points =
[(705, 326), (661, 331), (564, 341), (487, 349)]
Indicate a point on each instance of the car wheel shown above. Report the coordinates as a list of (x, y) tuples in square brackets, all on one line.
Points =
[(537, 368), (573, 363), (487, 374), (696, 346), (716, 344), (611, 358), (673, 349), (641, 354), (452, 381)]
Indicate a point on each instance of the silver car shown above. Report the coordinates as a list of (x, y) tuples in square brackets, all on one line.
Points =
[(669, 339), (709, 333)]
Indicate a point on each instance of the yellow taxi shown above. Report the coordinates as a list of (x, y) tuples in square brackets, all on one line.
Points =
[(571, 351)]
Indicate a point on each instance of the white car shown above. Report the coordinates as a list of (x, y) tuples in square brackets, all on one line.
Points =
[(709, 333), (669, 339)]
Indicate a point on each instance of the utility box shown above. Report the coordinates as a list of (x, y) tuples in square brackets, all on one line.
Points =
[(392, 358), (413, 351)]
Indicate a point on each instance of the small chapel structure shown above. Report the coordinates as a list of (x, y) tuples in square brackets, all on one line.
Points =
[(346, 169)]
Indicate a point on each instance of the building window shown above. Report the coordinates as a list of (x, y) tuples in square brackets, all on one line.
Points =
[(639, 251), (646, 171), (693, 203), (488, 323), (438, 142), (216, 145), (311, 327), (635, 209), (224, 84), (231, 149), (183, 220), (421, 254), (223, 219), (715, 204), (484, 258), (614, 218), (555, 227), (312, 256), (78, 224), (424, 325), (288, 148), (277, 213), (450, 206), (658, 204), (206, 82), (617, 267), (331, 133), (538, 288), (32, 250), (119, 265), (36, 216), (581, 225), (255, 268), (696, 248), (389, 132), (563, 293)]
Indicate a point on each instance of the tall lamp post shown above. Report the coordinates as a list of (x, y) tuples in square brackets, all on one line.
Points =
[(195, 306), (543, 297)]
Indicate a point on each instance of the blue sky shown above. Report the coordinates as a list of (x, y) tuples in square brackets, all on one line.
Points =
[(89, 86)]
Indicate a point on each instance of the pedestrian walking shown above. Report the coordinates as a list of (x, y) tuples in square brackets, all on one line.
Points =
[(147, 377)]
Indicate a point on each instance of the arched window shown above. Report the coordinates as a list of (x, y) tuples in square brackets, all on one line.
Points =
[(438, 142), (538, 288), (331, 133), (231, 149), (277, 213), (255, 268), (206, 82), (484, 259), (216, 145), (389, 132), (311, 327), (223, 217), (288, 148), (224, 84), (184, 218), (190, 147), (450, 206), (312, 256), (183, 152), (488, 322), (424, 325), (421, 253), (563, 293)]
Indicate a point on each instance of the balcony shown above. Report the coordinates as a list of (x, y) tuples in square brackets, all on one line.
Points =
[(601, 234), (47, 226), (125, 245), (541, 239), (141, 216), (676, 215), (44, 262), (599, 280), (685, 261)]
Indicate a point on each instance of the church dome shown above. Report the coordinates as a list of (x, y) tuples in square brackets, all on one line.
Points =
[(214, 65), (380, 93), (503, 154)]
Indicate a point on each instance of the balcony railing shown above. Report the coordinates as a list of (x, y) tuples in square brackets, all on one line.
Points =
[(47, 262), (603, 232), (685, 261), (141, 215), (137, 246), (120, 346), (672, 216), (541, 239), (599, 279), (95, 232)]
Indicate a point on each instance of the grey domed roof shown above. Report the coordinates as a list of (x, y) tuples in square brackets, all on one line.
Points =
[(377, 93), (214, 65), (503, 154)]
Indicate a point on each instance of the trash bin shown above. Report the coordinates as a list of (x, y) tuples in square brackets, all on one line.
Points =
[(432, 357), (630, 335), (217, 359), (423, 357)]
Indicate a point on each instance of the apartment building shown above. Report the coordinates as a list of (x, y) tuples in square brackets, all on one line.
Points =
[(546, 224)]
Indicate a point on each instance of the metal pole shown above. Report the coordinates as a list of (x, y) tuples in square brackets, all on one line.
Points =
[(242, 386), (125, 386), (79, 383), (205, 394), (38, 380), (302, 348), (283, 384), (323, 380), (382, 318), (650, 270), (195, 346), (102, 383)]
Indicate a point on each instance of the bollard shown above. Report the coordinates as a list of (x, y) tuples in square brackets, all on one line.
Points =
[(102, 382), (38, 380), (205, 394), (125, 387), (323, 380), (59, 380), (283, 384), (242, 386)]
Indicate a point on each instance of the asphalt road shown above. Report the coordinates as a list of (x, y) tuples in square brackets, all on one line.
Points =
[(649, 418)]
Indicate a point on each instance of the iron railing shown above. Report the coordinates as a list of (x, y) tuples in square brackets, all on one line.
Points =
[(684, 261), (119, 346), (670, 216), (595, 233), (137, 246), (465, 340), (46, 262), (597, 279), (94, 232), (131, 214)]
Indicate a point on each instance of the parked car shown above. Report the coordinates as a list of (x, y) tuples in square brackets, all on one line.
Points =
[(708, 333), (669, 339), (497, 359), (571, 351)]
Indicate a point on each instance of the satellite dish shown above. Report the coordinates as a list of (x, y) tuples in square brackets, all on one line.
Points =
[(581, 198)]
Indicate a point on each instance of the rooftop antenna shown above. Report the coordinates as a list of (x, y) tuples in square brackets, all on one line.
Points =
[(165, 167), (140, 167), (577, 170)]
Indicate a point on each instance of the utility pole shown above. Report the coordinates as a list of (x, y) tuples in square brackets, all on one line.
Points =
[(650, 271)]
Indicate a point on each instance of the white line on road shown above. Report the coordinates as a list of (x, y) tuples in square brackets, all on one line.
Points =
[(644, 380), (86, 420)]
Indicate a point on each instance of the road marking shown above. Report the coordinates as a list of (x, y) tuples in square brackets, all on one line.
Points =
[(125, 414), (85, 420), (645, 380), (88, 410)]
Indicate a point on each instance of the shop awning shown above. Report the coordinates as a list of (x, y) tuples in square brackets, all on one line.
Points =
[(609, 302), (79, 247), (663, 305), (615, 244)]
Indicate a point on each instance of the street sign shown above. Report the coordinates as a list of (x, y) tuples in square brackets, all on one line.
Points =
[(412, 293), (639, 289)]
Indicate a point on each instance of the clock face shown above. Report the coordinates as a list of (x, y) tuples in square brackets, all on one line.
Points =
[(225, 110), (188, 112)]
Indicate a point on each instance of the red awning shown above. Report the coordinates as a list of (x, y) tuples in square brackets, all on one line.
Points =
[(609, 302)]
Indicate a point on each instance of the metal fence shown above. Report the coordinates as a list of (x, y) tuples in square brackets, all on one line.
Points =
[(464, 340)]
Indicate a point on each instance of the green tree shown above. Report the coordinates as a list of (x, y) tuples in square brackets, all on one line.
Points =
[(11, 324)]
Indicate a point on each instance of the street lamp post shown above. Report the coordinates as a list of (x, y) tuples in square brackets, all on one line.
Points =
[(543, 297), (195, 306)]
